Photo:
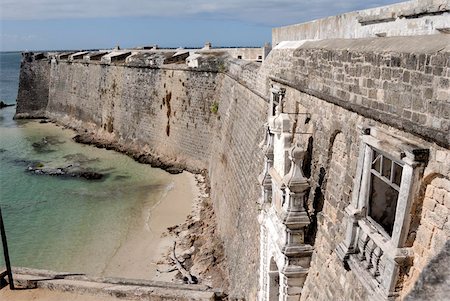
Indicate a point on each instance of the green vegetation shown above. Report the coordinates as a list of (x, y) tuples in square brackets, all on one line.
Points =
[(214, 108), (222, 67)]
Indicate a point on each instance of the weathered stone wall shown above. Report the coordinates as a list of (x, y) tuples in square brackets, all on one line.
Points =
[(433, 282), (332, 85), (390, 80), (412, 18), (235, 165), (167, 112), (399, 85), (336, 141), (334, 157), (34, 80), (253, 54), (434, 229)]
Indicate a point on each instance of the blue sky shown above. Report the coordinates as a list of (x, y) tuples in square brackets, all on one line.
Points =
[(85, 24)]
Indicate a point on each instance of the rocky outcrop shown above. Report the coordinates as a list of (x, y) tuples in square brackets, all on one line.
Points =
[(4, 105), (69, 171), (138, 155)]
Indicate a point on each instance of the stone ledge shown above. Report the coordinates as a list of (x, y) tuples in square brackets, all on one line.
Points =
[(131, 289), (429, 44), (439, 137)]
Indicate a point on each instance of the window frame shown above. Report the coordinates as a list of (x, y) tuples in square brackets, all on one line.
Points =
[(380, 176), (409, 177), (394, 251)]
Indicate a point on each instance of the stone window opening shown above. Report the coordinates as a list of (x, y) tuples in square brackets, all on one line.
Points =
[(388, 177), (274, 281), (385, 180)]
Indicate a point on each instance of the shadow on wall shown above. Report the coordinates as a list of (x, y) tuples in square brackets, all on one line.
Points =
[(434, 282), (318, 203)]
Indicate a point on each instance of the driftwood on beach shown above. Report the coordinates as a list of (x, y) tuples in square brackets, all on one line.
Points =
[(187, 276)]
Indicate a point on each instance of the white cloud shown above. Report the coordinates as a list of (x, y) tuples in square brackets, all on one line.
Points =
[(261, 11)]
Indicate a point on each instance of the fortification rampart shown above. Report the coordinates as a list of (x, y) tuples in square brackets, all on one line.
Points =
[(412, 18), (33, 86), (162, 111), (344, 87), (338, 100), (196, 118), (400, 81)]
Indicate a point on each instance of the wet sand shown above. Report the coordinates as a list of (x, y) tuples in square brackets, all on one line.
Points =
[(145, 245)]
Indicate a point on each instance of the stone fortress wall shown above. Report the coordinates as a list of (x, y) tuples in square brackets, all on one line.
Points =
[(168, 111), (211, 113), (359, 72), (331, 86), (411, 18)]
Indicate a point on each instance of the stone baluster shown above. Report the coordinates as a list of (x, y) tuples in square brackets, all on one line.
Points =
[(381, 266), (370, 247), (375, 261), (362, 242)]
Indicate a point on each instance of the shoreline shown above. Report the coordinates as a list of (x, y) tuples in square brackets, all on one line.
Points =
[(145, 243), (197, 241), (140, 156)]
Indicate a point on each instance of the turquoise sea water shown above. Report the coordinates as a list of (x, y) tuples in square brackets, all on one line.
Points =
[(9, 76), (65, 224)]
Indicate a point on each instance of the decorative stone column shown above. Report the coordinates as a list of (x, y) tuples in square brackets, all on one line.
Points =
[(265, 180), (294, 220), (285, 258)]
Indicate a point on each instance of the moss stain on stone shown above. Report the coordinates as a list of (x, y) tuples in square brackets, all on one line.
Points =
[(169, 111)]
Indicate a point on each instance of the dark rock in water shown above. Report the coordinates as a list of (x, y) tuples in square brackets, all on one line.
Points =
[(53, 140), (146, 158), (69, 171), (4, 105), (88, 175), (43, 146), (43, 121), (25, 162), (173, 170), (80, 158), (41, 143), (121, 177)]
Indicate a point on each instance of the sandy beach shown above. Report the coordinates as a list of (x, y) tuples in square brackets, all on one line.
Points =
[(145, 245)]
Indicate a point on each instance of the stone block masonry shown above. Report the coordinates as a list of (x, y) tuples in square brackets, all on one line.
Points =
[(168, 111), (365, 209), (390, 80), (33, 86), (165, 111), (411, 18), (331, 83), (234, 167)]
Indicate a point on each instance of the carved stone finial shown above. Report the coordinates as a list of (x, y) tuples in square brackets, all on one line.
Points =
[(294, 179), (281, 123)]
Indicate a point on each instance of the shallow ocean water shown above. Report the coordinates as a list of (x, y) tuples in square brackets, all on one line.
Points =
[(63, 223)]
